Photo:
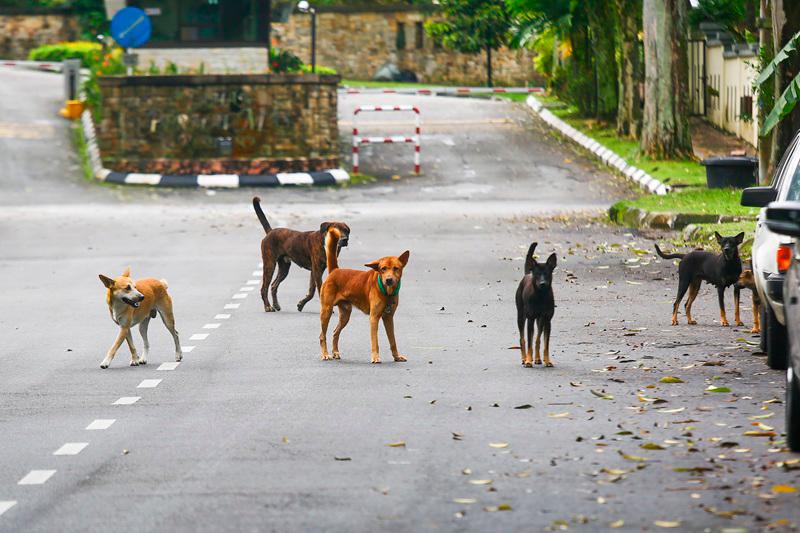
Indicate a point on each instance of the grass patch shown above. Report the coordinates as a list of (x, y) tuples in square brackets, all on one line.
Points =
[(359, 179), (695, 201), (83, 150), (704, 236), (676, 173), (387, 84)]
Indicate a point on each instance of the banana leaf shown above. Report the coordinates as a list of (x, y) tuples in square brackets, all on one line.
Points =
[(780, 57), (783, 106)]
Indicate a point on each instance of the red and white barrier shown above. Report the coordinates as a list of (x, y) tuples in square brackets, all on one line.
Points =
[(35, 65), (445, 90), (415, 139)]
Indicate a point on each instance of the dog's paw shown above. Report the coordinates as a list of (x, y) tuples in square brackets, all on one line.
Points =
[(178, 357), (548, 364), (269, 309), (134, 363), (276, 306), (325, 357), (692, 322), (142, 361), (400, 358), (739, 323), (376, 360), (755, 330), (527, 365), (724, 323), (337, 355), (103, 365), (537, 362), (300, 305)]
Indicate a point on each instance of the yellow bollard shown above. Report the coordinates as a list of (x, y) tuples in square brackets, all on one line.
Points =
[(72, 110)]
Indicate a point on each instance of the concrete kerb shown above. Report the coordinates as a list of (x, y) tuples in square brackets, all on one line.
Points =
[(607, 156), (641, 218), (227, 181)]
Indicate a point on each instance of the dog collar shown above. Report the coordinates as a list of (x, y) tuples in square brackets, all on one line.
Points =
[(383, 289)]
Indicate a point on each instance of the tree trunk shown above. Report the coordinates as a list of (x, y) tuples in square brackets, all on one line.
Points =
[(489, 81), (629, 68), (665, 130), (766, 98), (785, 23)]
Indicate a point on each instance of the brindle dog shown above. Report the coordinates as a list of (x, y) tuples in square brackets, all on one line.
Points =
[(281, 247)]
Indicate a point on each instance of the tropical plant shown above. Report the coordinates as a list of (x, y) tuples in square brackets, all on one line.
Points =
[(472, 26), (284, 61), (790, 96)]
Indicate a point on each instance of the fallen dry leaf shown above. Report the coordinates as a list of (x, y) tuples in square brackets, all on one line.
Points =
[(464, 500), (667, 523), (498, 444), (480, 481), (671, 379), (616, 524), (558, 415), (398, 444), (783, 489)]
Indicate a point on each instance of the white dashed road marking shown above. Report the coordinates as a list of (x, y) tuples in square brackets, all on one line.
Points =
[(6, 505), (199, 337), (101, 423), (253, 281), (256, 272), (169, 366), (127, 400), (71, 448), (232, 306), (240, 296), (222, 316), (212, 326), (149, 384), (36, 477), (186, 349), (247, 288)]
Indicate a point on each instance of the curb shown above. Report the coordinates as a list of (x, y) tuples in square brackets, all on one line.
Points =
[(228, 181), (640, 218), (609, 158)]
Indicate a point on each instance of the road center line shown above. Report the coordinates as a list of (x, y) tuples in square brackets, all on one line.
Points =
[(186, 349), (149, 384), (232, 306), (256, 272), (36, 477), (6, 505), (247, 289), (101, 423), (127, 400), (71, 448), (212, 326), (199, 337), (169, 366), (253, 281), (222, 316), (240, 296)]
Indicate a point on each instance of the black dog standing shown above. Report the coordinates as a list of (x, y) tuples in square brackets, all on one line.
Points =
[(721, 270), (535, 303)]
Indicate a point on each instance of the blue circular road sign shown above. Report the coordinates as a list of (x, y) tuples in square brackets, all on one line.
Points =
[(131, 27)]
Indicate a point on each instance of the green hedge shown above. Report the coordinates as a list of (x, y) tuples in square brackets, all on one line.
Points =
[(88, 52)]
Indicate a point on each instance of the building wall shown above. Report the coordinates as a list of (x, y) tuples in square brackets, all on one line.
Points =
[(174, 124), (22, 31), (212, 60), (357, 42)]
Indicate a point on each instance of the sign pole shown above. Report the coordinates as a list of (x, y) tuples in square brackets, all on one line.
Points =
[(130, 67)]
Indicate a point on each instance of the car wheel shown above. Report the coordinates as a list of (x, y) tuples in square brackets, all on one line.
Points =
[(776, 341), (792, 410), (763, 336)]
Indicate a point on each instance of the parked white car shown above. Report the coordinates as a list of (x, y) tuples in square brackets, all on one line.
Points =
[(772, 253)]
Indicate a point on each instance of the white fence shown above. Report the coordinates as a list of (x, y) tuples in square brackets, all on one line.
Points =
[(721, 87)]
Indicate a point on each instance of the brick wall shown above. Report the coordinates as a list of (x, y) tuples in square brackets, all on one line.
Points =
[(172, 124), (358, 41), (22, 31)]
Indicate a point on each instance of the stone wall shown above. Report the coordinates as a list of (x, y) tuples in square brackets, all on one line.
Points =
[(358, 41), (213, 60), (182, 124), (23, 30)]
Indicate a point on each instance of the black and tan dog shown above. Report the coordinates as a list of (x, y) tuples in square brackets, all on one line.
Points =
[(747, 280), (721, 270), (281, 247), (536, 304)]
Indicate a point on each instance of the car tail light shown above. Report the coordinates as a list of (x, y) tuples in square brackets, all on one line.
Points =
[(784, 257)]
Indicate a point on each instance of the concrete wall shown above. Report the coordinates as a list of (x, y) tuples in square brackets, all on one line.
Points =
[(172, 124), (730, 73), (23, 30)]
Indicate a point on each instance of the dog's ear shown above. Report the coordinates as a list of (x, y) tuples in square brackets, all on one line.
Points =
[(718, 237), (739, 238), (324, 227), (551, 261), (404, 257), (375, 265), (126, 273), (108, 282)]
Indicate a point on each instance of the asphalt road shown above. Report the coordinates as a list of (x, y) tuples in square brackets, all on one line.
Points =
[(252, 432)]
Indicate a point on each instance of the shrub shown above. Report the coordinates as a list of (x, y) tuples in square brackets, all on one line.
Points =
[(306, 69), (88, 52), (284, 61)]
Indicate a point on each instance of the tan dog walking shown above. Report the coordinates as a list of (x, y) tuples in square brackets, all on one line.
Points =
[(134, 303), (374, 292)]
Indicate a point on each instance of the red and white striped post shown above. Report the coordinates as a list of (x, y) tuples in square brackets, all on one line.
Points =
[(415, 139)]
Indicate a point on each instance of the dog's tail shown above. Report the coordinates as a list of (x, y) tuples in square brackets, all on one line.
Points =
[(332, 237), (529, 260), (668, 256), (260, 214)]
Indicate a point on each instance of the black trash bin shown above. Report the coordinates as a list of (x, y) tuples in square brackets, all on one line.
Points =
[(731, 171)]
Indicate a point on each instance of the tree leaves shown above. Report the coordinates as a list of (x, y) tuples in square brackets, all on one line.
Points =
[(780, 57), (671, 379), (785, 104)]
